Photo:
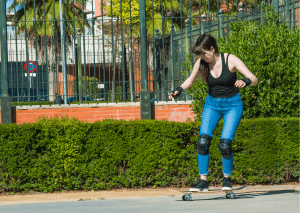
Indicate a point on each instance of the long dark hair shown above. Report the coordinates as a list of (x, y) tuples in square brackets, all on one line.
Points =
[(204, 42)]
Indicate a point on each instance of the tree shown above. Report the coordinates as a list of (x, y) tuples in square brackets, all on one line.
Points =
[(157, 14), (39, 20), (126, 13), (160, 14)]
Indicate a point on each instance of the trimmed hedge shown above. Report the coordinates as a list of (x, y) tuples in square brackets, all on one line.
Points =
[(68, 154)]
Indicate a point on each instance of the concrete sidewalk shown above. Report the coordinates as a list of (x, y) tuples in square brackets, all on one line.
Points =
[(275, 198)]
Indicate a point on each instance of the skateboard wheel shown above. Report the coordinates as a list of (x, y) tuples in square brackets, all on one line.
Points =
[(188, 197), (232, 196)]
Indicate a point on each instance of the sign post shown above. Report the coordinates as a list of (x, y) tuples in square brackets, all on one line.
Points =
[(32, 69)]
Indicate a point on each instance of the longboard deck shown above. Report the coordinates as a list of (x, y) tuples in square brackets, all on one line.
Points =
[(229, 193), (218, 190)]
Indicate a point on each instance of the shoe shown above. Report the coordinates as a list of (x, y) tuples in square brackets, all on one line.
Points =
[(200, 186), (226, 184)]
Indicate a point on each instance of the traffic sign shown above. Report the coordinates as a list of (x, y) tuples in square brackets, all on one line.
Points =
[(31, 66)]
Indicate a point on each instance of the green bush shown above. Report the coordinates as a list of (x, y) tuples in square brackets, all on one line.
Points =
[(54, 155), (271, 52)]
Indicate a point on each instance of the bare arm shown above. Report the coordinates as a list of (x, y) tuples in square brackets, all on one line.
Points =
[(241, 67), (193, 77), (191, 80)]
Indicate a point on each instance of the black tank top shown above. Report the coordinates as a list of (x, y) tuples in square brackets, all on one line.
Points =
[(224, 85)]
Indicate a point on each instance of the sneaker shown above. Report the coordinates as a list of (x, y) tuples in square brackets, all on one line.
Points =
[(200, 186), (226, 184)]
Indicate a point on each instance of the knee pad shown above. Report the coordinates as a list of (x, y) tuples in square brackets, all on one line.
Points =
[(225, 148), (203, 144)]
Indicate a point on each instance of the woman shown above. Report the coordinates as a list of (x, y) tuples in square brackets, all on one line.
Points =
[(223, 101)]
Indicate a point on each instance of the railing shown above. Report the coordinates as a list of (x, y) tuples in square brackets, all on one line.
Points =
[(179, 43), (102, 61)]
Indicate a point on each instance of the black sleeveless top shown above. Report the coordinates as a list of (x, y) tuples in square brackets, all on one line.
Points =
[(224, 85)]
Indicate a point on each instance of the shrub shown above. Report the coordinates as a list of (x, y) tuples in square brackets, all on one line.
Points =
[(271, 52), (54, 155)]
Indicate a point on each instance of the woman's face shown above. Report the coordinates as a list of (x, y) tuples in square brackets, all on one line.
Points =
[(208, 55)]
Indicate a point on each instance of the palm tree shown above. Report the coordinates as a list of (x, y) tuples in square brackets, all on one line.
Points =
[(39, 21)]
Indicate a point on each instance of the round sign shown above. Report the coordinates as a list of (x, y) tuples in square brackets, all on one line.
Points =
[(31, 66)]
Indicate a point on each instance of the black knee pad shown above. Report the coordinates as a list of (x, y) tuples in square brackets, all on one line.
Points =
[(203, 144), (225, 148)]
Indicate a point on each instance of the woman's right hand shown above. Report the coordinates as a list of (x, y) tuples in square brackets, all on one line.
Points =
[(172, 94)]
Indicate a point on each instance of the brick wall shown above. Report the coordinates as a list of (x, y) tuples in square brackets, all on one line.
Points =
[(297, 16), (172, 111), (98, 8)]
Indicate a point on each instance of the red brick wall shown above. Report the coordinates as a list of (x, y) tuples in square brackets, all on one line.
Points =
[(297, 16), (98, 8), (179, 112)]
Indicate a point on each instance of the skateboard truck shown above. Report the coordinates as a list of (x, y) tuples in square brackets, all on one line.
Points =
[(187, 197), (230, 195)]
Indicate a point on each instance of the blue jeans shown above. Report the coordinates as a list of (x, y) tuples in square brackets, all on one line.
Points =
[(231, 110)]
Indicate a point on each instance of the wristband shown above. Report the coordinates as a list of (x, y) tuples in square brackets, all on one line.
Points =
[(179, 89), (247, 81)]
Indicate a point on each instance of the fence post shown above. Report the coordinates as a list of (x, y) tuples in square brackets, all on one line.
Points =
[(124, 73), (188, 46), (276, 6), (241, 11), (63, 50), (76, 70), (79, 65), (157, 60), (203, 23), (294, 14), (262, 13), (221, 17), (289, 12), (187, 30), (172, 57), (145, 104), (5, 98)]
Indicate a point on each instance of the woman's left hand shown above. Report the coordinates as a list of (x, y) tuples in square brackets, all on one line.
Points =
[(240, 84)]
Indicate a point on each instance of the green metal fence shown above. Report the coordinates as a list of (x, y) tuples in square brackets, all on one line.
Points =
[(179, 43), (74, 52)]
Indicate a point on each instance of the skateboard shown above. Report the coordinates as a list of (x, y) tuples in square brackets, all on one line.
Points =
[(187, 196)]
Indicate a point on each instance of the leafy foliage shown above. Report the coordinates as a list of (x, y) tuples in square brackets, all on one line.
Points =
[(271, 52), (128, 10), (41, 16), (158, 13), (66, 154)]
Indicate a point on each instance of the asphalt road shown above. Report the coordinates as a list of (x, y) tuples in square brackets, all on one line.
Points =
[(281, 201)]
